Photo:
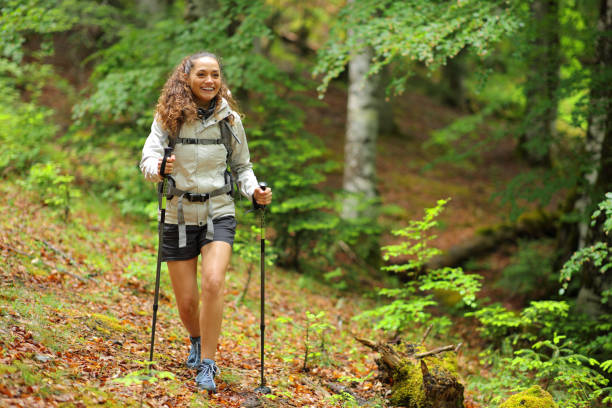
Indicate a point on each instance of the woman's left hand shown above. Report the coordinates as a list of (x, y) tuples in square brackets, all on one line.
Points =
[(263, 197)]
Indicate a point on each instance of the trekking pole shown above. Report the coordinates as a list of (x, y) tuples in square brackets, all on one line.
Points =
[(161, 200), (262, 389)]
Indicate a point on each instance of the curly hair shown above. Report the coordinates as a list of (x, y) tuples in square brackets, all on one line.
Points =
[(176, 104)]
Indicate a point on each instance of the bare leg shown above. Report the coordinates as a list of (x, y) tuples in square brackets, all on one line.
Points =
[(183, 275), (215, 259)]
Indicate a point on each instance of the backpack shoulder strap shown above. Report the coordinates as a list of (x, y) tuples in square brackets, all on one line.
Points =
[(226, 138)]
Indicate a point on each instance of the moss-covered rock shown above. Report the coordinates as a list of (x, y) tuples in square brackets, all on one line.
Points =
[(534, 397)]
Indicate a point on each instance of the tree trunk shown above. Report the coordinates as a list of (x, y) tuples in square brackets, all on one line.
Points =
[(386, 119), (542, 83), (454, 74), (195, 9), (362, 122), (599, 180), (361, 134), (152, 7)]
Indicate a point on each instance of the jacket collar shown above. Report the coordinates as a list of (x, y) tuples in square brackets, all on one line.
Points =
[(223, 112)]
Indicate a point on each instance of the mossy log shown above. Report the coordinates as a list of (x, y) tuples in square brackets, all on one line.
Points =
[(419, 378), (534, 224)]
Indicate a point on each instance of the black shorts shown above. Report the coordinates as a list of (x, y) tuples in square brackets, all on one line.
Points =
[(225, 229)]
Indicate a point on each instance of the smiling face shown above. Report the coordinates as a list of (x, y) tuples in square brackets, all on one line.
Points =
[(205, 79)]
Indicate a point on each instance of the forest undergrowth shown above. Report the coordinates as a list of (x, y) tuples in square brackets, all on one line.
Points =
[(75, 319)]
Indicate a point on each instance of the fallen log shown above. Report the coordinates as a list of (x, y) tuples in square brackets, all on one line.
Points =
[(419, 378), (529, 225)]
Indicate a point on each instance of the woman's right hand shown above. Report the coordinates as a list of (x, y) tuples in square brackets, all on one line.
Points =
[(169, 165)]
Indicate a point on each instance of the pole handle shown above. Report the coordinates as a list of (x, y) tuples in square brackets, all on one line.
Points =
[(263, 185), (167, 153)]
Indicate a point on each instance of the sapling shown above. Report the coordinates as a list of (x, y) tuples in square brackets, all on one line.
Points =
[(412, 301), (317, 324)]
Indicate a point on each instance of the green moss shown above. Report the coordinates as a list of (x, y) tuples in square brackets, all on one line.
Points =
[(448, 362), (534, 397), (231, 377), (7, 369), (106, 324), (408, 387)]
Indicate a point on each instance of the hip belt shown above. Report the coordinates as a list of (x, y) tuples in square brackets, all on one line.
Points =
[(194, 197)]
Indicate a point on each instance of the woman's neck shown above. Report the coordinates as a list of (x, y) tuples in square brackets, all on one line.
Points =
[(206, 112), (206, 105)]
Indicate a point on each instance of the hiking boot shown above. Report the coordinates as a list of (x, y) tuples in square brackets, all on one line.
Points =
[(207, 370), (193, 361)]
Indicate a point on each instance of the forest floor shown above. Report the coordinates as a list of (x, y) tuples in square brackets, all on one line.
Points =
[(75, 316), (76, 297)]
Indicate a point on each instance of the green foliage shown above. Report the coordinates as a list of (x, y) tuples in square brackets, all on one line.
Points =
[(537, 186), (22, 21), (534, 350), (142, 271), (411, 302), (569, 374), (598, 254), (247, 244), (146, 374), (127, 80), (294, 163), (337, 278), (531, 269), (502, 325), (54, 188), (20, 18), (129, 74), (604, 207), (502, 39), (316, 331), (25, 131), (317, 326), (344, 399), (462, 140), (424, 31)]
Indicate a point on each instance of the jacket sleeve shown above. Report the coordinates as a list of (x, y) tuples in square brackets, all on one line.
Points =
[(152, 151), (240, 162)]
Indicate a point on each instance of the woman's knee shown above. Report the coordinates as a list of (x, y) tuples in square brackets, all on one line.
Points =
[(212, 286), (187, 305)]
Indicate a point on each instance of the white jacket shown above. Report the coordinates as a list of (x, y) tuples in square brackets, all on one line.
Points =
[(200, 168)]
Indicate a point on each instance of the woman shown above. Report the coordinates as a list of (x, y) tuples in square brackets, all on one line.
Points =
[(195, 111)]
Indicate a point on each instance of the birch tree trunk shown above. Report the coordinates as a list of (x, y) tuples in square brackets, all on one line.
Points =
[(542, 83), (599, 148), (361, 134), (362, 126)]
